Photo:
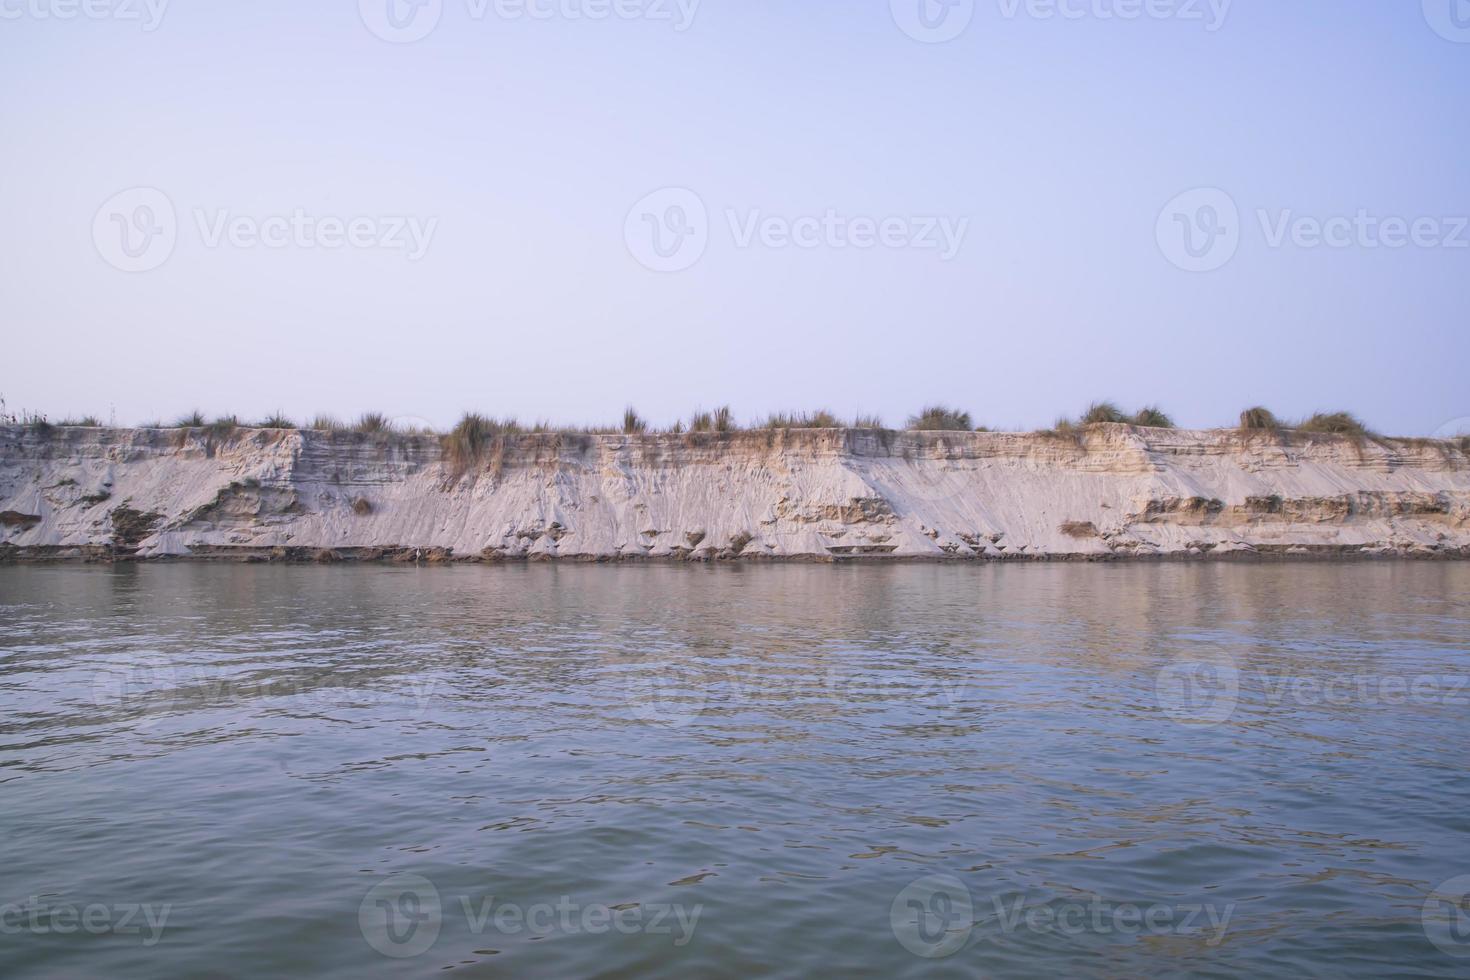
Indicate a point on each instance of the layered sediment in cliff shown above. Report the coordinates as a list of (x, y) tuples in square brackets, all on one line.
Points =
[(1113, 491)]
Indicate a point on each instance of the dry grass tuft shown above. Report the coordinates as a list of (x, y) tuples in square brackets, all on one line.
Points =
[(633, 424), (474, 435), (1153, 417), (373, 422), (1259, 419), (1338, 424), (1101, 412), (1064, 429), (326, 423), (820, 419)]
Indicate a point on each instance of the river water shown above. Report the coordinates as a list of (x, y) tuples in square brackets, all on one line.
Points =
[(620, 771)]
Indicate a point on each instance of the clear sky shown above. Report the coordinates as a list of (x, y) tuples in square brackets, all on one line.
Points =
[(245, 207)]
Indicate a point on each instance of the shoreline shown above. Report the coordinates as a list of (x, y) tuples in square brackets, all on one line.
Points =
[(1236, 558)]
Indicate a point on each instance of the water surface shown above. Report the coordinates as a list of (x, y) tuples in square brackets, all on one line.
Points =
[(1167, 770)]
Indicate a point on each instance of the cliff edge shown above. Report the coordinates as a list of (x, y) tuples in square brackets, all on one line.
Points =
[(1106, 492)]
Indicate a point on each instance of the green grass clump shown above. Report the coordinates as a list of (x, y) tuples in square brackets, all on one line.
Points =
[(223, 426), (941, 418), (85, 422), (192, 420), (276, 421)]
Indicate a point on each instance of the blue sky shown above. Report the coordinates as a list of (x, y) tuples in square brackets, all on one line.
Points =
[(499, 170)]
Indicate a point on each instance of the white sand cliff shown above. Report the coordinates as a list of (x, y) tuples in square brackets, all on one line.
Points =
[(824, 494)]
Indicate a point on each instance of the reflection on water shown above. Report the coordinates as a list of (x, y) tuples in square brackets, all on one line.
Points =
[(1167, 770)]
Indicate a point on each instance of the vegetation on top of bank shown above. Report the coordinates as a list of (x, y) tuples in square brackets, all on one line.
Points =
[(475, 431)]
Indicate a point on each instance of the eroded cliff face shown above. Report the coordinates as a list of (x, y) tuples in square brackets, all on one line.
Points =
[(1114, 492)]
